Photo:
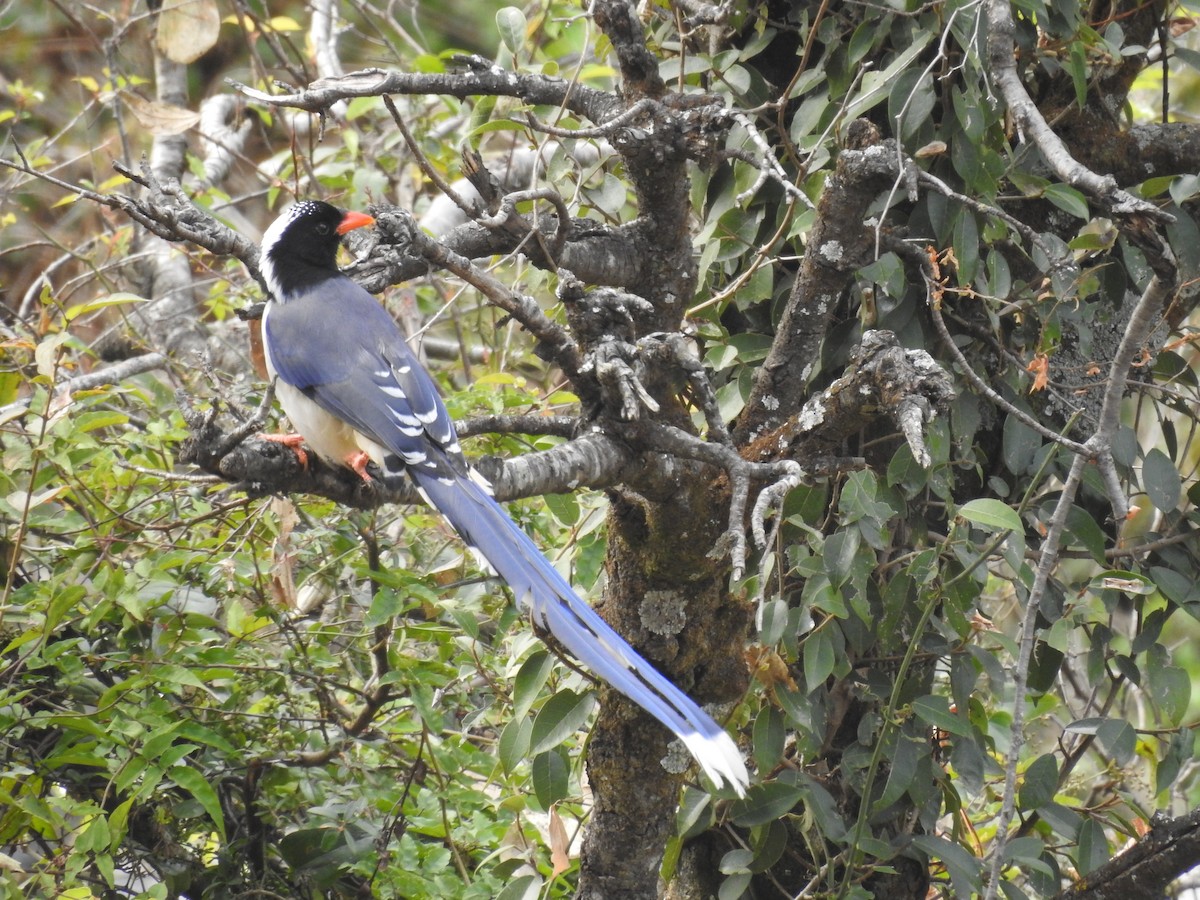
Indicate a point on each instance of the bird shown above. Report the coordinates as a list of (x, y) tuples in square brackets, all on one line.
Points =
[(357, 394)]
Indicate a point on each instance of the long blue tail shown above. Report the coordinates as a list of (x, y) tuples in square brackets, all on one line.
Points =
[(556, 607)]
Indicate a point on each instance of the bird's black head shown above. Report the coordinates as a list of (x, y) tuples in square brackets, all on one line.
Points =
[(299, 250)]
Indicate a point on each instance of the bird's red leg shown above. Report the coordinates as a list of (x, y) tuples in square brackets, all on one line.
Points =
[(358, 462), (290, 440)]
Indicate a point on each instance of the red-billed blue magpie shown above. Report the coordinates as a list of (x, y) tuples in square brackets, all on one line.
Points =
[(356, 393)]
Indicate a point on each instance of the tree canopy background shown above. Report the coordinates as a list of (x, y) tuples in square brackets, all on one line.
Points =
[(842, 353)]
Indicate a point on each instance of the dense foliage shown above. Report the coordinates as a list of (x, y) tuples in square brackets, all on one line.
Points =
[(972, 645)]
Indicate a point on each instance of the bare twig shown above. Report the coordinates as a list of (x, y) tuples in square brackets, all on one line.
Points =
[(508, 212), (222, 141), (558, 426), (1138, 220), (1030, 234), (479, 77), (768, 166), (114, 374), (605, 130)]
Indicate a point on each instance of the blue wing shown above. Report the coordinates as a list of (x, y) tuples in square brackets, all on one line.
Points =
[(346, 353)]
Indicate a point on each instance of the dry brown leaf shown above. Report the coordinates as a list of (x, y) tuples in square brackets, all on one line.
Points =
[(160, 118), (1039, 368), (1182, 25), (559, 844), (283, 583), (769, 668), (187, 29)]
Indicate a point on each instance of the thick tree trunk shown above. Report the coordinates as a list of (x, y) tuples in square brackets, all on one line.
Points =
[(660, 580)]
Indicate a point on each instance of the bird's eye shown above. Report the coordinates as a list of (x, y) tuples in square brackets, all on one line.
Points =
[(322, 229)]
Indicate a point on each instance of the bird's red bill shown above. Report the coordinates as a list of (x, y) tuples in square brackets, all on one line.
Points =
[(352, 220)]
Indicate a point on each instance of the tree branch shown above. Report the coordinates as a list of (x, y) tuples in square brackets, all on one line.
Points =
[(838, 245), (881, 379), (1145, 870), (1001, 41), (477, 77)]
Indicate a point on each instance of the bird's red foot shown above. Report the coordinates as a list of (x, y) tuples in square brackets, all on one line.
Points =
[(290, 440), (358, 462)]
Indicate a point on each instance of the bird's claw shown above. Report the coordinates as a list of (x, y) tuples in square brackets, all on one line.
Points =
[(293, 441)]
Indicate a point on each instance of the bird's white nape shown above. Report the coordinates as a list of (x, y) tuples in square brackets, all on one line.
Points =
[(270, 240)]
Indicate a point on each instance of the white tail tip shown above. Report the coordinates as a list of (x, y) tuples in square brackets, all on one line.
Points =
[(720, 759)]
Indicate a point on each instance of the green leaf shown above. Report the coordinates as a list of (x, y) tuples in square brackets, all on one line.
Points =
[(550, 777), (118, 823), (97, 419), (1076, 64), (513, 745), (875, 84), (819, 803), (765, 803), (1187, 55), (735, 886), (770, 842), (696, 812), (1161, 480), (1068, 200), (1020, 446), (563, 715), (1180, 750), (902, 769), (198, 786), (1092, 851), (63, 600), (966, 244), (527, 887), (911, 100), (965, 869), (1083, 528), (529, 681), (1064, 820), (936, 711), (819, 658), (840, 549), (1171, 688), (511, 24), (1152, 187), (992, 515), (116, 299), (1115, 735), (769, 735), (775, 614), (1040, 783), (1028, 852), (386, 605), (736, 860)]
